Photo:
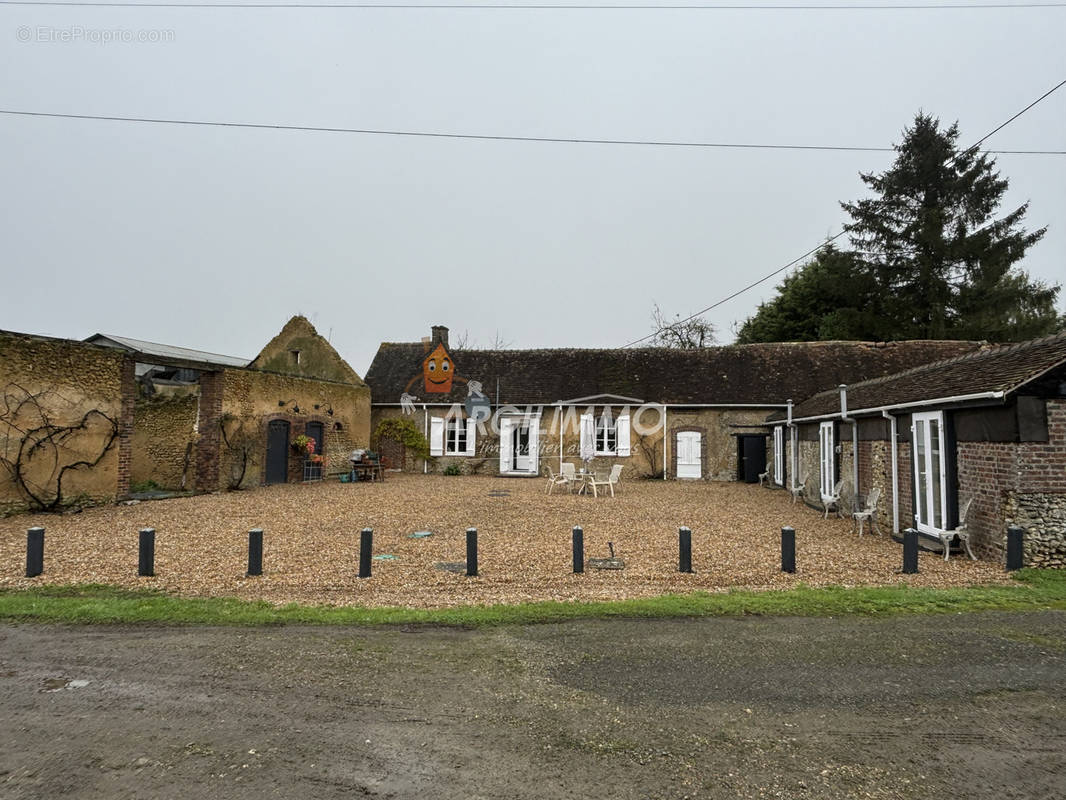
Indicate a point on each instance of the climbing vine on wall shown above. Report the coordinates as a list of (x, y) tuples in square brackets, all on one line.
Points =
[(38, 451), (240, 443), (404, 431)]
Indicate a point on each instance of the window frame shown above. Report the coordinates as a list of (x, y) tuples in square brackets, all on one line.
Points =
[(924, 495), (455, 434), (607, 434), (827, 476)]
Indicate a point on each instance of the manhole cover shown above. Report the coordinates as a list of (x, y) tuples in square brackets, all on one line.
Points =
[(452, 566)]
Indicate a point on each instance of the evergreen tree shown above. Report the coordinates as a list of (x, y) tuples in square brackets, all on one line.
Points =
[(944, 264), (930, 259)]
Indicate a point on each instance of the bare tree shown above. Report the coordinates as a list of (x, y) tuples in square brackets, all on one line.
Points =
[(499, 343), (462, 340), (681, 334)]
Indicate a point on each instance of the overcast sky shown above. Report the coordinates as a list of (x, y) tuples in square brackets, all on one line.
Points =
[(212, 238)]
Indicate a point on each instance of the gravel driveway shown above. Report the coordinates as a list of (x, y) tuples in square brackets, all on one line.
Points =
[(312, 543)]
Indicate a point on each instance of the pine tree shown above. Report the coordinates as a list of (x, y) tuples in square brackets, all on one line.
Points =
[(944, 264)]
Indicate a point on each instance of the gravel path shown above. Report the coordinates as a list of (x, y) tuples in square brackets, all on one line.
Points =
[(312, 543)]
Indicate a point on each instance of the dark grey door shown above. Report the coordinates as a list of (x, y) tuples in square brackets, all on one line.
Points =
[(314, 431), (277, 459), (752, 458)]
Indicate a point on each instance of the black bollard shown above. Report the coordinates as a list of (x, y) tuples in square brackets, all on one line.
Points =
[(146, 553), (788, 549), (471, 552), (366, 547), (579, 550), (684, 536), (1015, 554), (910, 552), (255, 551), (34, 552)]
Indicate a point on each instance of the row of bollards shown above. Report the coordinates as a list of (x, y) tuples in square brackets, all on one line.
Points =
[(146, 551)]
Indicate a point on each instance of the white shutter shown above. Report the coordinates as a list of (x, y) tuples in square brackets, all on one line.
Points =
[(436, 436), (471, 432), (623, 434), (534, 445), (506, 445)]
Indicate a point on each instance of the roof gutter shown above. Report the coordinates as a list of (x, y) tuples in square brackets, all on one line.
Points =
[(936, 401)]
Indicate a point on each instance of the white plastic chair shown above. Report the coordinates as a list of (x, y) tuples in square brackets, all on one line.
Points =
[(566, 477), (868, 512), (610, 481), (960, 530)]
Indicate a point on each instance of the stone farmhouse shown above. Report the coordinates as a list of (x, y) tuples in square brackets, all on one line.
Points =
[(940, 427)]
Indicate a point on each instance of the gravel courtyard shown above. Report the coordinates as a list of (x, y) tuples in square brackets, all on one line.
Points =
[(312, 543)]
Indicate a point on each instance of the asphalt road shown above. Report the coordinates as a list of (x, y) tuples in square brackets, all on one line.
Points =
[(966, 705)]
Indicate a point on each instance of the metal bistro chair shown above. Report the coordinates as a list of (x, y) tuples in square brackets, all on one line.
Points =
[(767, 477), (832, 501), (960, 530), (799, 489), (868, 512)]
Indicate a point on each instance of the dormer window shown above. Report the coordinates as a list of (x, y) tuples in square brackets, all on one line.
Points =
[(295, 356)]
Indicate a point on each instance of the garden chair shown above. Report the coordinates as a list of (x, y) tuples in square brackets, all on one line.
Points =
[(868, 512), (832, 501), (799, 489), (610, 481), (960, 530), (565, 477), (766, 476)]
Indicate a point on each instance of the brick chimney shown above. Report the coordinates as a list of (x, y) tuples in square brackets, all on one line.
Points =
[(440, 336)]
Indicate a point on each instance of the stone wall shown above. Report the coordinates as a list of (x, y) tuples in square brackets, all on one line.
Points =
[(61, 382), (251, 399), (164, 439), (559, 430)]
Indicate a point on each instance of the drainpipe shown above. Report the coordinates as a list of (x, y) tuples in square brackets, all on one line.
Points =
[(854, 437), (895, 471), (666, 443), (792, 442), (425, 432)]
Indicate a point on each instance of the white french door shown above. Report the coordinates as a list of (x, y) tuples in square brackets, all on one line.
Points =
[(930, 478), (827, 459), (689, 455)]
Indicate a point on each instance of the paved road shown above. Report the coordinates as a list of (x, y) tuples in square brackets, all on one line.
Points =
[(968, 705)]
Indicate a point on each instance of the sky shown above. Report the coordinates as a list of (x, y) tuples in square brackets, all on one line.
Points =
[(212, 237)]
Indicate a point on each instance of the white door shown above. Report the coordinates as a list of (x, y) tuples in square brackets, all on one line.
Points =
[(930, 485), (827, 459), (688, 455), (779, 455), (521, 445)]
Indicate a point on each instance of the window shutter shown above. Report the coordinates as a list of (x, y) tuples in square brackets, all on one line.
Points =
[(471, 432), (588, 431), (623, 434), (534, 444), (436, 436)]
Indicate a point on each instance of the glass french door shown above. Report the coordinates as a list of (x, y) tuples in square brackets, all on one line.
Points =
[(827, 458), (779, 455), (930, 484)]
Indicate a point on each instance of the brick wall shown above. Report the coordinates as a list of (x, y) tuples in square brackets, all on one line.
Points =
[(208, 443)]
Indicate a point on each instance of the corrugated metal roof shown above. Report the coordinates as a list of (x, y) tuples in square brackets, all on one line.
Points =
[(166, 352)]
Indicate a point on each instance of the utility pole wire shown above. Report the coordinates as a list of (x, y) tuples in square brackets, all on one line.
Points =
[(490, 137), (832, 239)]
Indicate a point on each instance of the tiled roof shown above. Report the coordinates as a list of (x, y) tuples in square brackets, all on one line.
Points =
[(754, 374), (1004, 368)]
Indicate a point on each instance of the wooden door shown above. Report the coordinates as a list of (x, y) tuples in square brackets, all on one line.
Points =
[(277, 455)]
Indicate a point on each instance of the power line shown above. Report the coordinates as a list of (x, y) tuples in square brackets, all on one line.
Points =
[(489, 137), (546, 6), (832, 239)]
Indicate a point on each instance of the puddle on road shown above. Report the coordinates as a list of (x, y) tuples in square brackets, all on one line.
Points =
[(58, 684)]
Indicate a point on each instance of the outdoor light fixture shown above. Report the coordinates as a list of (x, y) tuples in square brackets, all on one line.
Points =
[(283, 403)]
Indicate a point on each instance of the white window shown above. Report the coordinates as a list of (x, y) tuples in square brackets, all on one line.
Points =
[(611, 435), (779, 455), (453, 436), (930, 479), (827, 458)]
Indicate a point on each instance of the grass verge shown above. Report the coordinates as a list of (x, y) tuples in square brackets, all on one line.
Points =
[(1033, 589)]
